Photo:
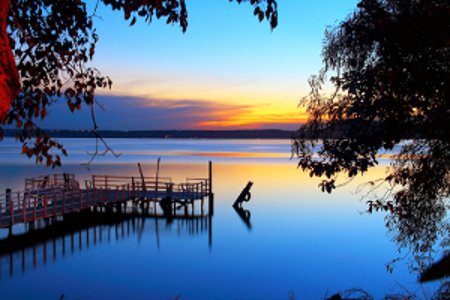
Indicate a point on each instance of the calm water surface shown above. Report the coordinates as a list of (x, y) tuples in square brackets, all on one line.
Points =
[(300, 241)]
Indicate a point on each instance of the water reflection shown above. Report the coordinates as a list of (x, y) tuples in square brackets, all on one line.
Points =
[(417, 218), (301, 240), (244, 214), (52, 239), (437, 270), (420, 228)]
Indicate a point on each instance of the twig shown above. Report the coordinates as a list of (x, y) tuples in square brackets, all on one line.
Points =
[(98, 139)]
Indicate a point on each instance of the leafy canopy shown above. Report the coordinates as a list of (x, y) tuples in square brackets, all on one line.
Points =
[(52, 42), (390, 65)]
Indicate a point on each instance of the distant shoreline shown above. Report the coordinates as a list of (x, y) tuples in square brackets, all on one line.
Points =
[(171, 134)]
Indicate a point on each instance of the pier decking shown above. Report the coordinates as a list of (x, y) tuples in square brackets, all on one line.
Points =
[(55, 195)]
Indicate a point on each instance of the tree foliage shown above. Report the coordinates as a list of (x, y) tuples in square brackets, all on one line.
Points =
[(9, 79), (390, 66), (52, 43)]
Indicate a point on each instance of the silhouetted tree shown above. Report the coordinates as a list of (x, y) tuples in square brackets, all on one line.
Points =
[(390, 65), (51, 43)]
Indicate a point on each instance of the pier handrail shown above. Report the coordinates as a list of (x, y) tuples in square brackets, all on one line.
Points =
[(65, 180), (114, 181), (202, 182), (53, 195), (18, 204), (103, 182)]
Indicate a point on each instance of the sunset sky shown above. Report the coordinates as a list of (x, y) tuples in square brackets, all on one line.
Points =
[(228, 71)]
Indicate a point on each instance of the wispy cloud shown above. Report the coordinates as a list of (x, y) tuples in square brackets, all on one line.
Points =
[(138, 113)]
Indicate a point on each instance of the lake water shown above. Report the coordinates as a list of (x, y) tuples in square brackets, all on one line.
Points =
[(300, 241)]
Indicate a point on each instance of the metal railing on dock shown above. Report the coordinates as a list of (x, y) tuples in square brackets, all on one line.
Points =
[(58, 194), (39, 182)]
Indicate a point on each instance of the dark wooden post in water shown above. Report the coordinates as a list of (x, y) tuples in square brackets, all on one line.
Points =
[(158, 161), (243, 213), (9, 208), (244, 195), (210, 204), (142, 177), (210, 193), (143, 188)]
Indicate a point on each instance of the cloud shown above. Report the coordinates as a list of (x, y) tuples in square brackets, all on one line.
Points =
[(138, 113)]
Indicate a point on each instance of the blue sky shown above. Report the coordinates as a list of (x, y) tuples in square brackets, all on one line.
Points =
[(227, 71)]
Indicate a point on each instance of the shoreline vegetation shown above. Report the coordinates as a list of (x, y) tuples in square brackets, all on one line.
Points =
[(337, 130), (173, 134)]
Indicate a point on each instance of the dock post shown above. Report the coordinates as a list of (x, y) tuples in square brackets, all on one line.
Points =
[(94, 195), (9, 206), (133, 187), (24, 216), (106, 188), (210, 177), (210, 193), (209, 228)]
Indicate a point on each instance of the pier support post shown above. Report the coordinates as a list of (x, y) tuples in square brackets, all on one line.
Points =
[(9, 208), (133, 187), (210, 193), (210, 205)]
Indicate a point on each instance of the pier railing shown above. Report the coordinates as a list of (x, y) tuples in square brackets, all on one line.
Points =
[(113, 182), (194, 187), (64, 180), (58, 194), (32, 205)]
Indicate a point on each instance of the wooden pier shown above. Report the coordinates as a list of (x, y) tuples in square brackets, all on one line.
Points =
[(55, 195)]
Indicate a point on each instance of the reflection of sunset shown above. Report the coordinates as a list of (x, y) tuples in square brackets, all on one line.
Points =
[(285, 184)]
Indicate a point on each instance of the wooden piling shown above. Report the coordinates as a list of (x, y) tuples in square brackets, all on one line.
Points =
[(63, 201), (210, 177), (9, 206), (210, 193), (158, 161), (34, 210), (24, 207), (142, 177)]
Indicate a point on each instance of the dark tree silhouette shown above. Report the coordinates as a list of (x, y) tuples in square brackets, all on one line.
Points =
[(390, 65), (9, 79), (50, 43)]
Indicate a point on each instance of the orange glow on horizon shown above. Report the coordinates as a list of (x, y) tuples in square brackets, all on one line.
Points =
[(255, 117), (240, 154), (226, 114)]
